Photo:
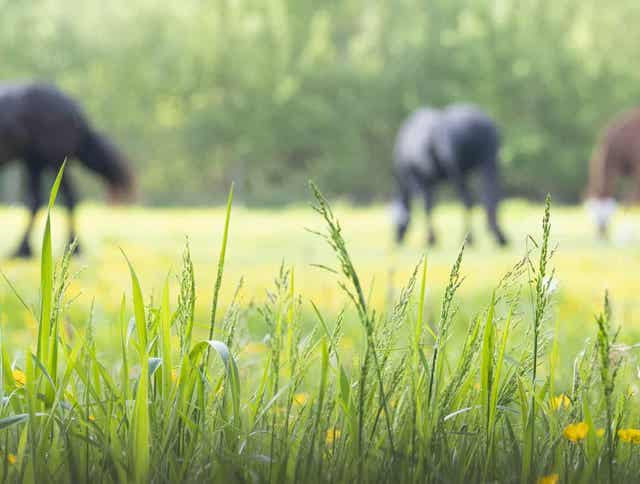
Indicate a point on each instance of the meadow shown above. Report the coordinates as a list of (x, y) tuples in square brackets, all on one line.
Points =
[(487, 365)]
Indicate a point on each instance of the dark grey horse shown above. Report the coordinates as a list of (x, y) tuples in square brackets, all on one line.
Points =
[(433, 146), (40, 126)]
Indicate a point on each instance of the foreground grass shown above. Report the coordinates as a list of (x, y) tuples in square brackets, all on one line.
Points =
[(410, 387)]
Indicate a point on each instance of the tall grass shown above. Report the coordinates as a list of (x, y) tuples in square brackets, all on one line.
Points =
[(409, 404)]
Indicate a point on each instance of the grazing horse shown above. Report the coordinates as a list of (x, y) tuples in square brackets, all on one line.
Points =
[(617, 156), (41, 127), (437, 145)]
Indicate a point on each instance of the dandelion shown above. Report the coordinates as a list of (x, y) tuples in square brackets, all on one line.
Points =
[(550, 479), (19, 377), (11, 458), (560, 401), (332, 435), (629, 435), (91, 418), (300, 398), (576, 432)]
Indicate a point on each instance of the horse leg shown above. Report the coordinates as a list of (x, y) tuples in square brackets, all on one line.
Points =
[(34, 176), (428, 193), (491, 198), (401, 207), (467, 200), (69, 195)]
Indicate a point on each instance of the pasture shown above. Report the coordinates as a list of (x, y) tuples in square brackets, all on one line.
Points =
[(356, 428), (261, 240)]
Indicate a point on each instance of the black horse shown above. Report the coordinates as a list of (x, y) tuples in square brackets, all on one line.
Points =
[(437, 145), (41, 127)]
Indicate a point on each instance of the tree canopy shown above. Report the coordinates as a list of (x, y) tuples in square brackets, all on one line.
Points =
[(270, 93)]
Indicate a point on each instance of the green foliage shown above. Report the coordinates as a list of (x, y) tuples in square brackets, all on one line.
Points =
[(268, 93)]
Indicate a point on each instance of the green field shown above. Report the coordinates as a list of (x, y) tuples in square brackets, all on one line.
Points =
[(261, 240), (254, 422)]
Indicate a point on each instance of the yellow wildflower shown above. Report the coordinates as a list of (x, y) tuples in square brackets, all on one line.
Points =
[(254, 347), (19, 377), (560, 401), (629, 435), (174, 375), (576, 431), (599, 432), (346, 343), (550, 479), (11, 458), (332, 435), (300, 398), (91, 418)]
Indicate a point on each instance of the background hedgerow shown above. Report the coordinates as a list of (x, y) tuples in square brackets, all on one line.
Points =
[(463, 396)]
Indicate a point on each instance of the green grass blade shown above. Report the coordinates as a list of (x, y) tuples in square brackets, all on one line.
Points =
[(56, 185), (233, 377), (123, 348), (13, 420), (46, 276), (140, 432), (165, 340), (223, 251), (138, 307)]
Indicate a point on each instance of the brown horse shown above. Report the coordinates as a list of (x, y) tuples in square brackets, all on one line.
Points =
[(616, 157), (41, 127)]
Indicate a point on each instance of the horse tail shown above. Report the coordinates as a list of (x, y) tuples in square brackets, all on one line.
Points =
[(102, 157)]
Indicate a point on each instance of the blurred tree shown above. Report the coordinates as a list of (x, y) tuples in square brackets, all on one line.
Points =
[(273, 92)]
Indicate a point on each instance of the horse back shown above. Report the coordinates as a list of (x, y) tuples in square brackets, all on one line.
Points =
[(622, 142), (411, 149), (37, 121), (471, 135)]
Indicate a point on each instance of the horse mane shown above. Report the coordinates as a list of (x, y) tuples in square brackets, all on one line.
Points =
[(101, 156)]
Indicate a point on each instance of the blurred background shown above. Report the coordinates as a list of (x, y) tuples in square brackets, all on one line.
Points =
[(270, 93)]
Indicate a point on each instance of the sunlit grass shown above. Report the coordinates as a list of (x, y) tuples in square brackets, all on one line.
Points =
[(323, 368), (263, 239)]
